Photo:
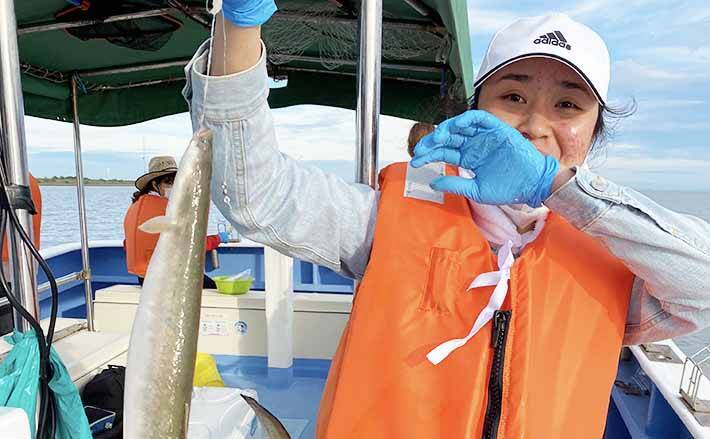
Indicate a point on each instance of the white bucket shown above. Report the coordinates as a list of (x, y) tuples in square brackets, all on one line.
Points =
[(221, 413), (14, 423)]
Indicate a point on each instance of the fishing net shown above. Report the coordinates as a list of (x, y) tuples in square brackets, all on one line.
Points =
[(148, 33), (305, 28)]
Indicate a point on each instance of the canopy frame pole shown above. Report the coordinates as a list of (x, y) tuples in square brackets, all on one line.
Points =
[(45, 27), (193, 13), (15, 154), (368, 91), (418, 6), (86, 267)]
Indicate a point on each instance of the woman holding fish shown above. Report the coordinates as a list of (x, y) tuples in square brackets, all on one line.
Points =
[(494, 305)]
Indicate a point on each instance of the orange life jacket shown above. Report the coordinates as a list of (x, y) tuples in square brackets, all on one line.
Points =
[(558, 333), (140, 245), (36, 218)]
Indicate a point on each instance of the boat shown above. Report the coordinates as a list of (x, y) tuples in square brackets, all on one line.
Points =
[(277, 339)]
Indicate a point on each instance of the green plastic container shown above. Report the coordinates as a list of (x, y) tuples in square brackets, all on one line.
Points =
[(238, 286)]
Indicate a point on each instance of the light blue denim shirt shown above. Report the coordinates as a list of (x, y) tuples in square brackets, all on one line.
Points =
[(306, 213)]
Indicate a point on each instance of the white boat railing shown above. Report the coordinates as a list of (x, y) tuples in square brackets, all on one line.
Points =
[(692, 378), (71, 277), (86, 266)]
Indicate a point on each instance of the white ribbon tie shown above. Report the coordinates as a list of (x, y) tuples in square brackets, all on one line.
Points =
[(500, 280)]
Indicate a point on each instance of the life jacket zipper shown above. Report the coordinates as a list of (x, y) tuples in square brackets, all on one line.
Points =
[(501, 321)]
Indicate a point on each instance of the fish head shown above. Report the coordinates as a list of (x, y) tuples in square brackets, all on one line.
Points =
[(192, 182), (190, 194)]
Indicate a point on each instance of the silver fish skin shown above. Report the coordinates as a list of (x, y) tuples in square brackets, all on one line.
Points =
[(272, 427), (163, 345)]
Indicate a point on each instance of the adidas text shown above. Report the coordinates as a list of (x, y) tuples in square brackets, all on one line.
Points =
[(555, 39)]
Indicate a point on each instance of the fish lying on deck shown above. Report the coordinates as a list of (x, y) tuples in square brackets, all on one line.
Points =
[(161, 354), (273, 428)]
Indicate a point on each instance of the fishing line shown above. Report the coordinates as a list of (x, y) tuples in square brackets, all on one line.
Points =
[(213, 12)]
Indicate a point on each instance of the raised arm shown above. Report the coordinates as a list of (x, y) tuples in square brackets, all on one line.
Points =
[(242, 50), (269, 197)]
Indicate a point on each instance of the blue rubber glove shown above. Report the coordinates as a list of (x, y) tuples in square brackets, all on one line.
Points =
[(223, 237), (248, 13), (508, 167)]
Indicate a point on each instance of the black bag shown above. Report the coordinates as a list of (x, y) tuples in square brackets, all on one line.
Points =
[(105, 391)]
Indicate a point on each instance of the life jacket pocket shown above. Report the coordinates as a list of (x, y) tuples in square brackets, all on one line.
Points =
[(443, 281)]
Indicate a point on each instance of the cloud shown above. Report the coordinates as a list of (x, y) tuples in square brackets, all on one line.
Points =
[(310, 132), (625, 146), (665, 104), (690, 13), (488, 21), (167, 135), (306, 132), (683, 55), (590, 7), (645, 123), (631, 70)]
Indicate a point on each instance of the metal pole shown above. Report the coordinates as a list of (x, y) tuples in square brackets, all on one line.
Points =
[(418, 6), (388, 23), (193, 12), (45, 27), (287, 69), (368, 89), (13, 145), (135, 68), (346, 62), (82, 209)]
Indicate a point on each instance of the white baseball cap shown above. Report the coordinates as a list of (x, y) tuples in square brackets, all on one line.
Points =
[(555, 36)]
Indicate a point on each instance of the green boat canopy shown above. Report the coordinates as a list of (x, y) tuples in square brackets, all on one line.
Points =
[(128, 56)]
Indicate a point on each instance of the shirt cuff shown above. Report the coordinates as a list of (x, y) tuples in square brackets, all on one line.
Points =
[(228, 97), (584, 198)]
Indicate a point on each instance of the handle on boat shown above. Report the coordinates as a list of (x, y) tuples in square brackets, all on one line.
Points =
[(215, 258)]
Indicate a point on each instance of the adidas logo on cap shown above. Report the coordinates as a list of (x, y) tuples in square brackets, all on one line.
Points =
[(554, 38)]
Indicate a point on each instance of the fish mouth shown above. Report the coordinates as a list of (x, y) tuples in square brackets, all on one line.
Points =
[(204, 136)]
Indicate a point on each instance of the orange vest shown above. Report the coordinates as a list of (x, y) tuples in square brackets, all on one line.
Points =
[(36, 218), (557, 343), (140, 245)]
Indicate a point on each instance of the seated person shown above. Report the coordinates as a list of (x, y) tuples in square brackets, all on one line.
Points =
[(6, 311), (149, 201)]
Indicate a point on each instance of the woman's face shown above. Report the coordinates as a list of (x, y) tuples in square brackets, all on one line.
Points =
[(163, 185), (548, 103)]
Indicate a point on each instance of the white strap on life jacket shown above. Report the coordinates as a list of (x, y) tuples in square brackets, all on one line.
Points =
[(500, 280)]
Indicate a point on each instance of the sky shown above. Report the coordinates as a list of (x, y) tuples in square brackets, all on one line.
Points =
[(660, 54)]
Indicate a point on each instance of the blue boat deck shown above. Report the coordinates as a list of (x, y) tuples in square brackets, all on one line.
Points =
[(292, 395)]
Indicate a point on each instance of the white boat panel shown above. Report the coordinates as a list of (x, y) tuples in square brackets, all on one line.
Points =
[(236, 325)]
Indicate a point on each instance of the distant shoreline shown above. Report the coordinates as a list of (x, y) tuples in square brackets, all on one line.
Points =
[(59, 181)]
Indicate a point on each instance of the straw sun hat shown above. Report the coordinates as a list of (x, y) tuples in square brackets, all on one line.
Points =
[(158, 166)]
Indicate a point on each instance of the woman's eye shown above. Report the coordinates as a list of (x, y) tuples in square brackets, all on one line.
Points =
[(568, 105), (513, 97)]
